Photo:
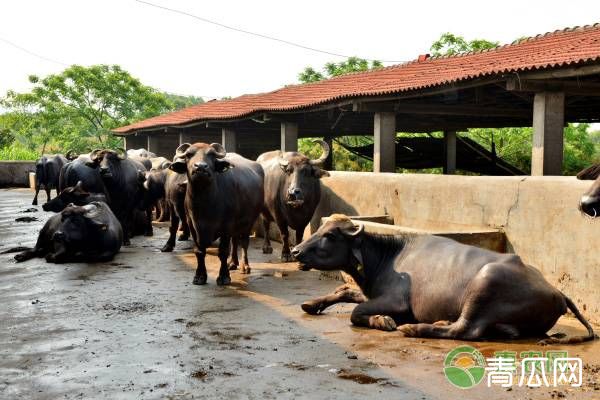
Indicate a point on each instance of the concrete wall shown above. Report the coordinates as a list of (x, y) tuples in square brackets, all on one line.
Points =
[(15, 173), (539, 216)]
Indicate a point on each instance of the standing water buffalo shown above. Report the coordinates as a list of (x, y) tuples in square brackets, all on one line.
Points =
[(590, 201), (224, 197), (123, 179), (79, 170), (292, 192), (165, 185), (47, 172), (82, 234), (433, 286)]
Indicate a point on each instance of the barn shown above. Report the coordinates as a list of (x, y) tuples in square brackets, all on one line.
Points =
[(542, 82)]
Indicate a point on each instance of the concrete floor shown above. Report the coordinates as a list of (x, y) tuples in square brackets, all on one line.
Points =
[(136, 328)]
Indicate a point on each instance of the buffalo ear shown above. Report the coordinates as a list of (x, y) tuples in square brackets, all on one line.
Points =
[(222, 165), (320, 173), (178, 166), (354, 231)]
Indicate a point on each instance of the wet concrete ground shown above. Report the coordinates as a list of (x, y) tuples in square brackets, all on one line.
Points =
[(136, 328)]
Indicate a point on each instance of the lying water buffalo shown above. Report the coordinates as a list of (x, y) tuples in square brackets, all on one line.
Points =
[(170, 187), (292, 192), (76, 195), (47, 172), (224, 196), (590, 201), (87, 233), (123, 179), (433, 286)]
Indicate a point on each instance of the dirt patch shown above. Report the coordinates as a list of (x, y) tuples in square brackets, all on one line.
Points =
[(26, 219), (359, 377), (133, 307), (199, 374)]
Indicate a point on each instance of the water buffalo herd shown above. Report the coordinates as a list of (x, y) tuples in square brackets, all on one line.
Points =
[(423, 286)]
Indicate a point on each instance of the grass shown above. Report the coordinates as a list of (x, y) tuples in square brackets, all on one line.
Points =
[(18, 153)]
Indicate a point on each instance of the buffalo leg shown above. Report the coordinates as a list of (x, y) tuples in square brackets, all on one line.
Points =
[(185, 227), (200, 277), (148, 231), (37, 191), (343, 294), (234, 261), (168, 247), (48, 196), (244, 242), (224, 278), (266, 249), (29, 254), (286, 255), (379, 313), (299, 236), (461, 329)]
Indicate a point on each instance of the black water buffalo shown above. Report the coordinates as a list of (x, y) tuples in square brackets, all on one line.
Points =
[(123, 179), (590, 201), (433, 286), (79, 170), (76, 195), (292, 192), (224, 196), (47, 173), (89, 233), (168, 186)]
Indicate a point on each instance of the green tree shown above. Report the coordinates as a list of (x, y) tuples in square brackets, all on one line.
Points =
[(78, 107), (449, 44), (177, 101), (343, 159), (352, 64)]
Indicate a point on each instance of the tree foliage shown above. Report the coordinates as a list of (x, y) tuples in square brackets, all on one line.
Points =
[(352, 64), (77, 108), (449, 44)]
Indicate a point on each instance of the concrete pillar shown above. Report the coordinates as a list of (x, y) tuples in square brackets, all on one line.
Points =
[(548, 125), (229, 140), (181, 141), (449, 152), (384, 150), (125, 143), (289, 136)]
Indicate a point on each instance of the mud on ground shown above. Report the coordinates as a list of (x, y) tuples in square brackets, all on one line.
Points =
[(136, 328)]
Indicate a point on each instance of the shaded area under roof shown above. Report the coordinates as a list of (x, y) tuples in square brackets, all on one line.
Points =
[(427, 152)]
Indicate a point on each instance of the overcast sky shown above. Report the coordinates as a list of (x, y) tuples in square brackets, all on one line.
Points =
[(180, 54)]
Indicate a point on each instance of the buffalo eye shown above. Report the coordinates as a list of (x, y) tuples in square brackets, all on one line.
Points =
[(329, 236)]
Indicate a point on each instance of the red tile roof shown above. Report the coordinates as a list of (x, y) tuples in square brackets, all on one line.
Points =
[(552, 50)]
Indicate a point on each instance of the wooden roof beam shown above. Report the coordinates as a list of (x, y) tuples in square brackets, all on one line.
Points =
[(569, 87), (442, 109)]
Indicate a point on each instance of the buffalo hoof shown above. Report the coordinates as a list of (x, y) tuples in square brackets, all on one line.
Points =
[(34, 203), (21, 257), (287, 257), (183, 237), (223, 280), (232, 266), (409, 330), (149, 233), (267, 250), (126, 242), (245, 270), (199, 280), (382, 322), (167, 248), (312, 307)]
